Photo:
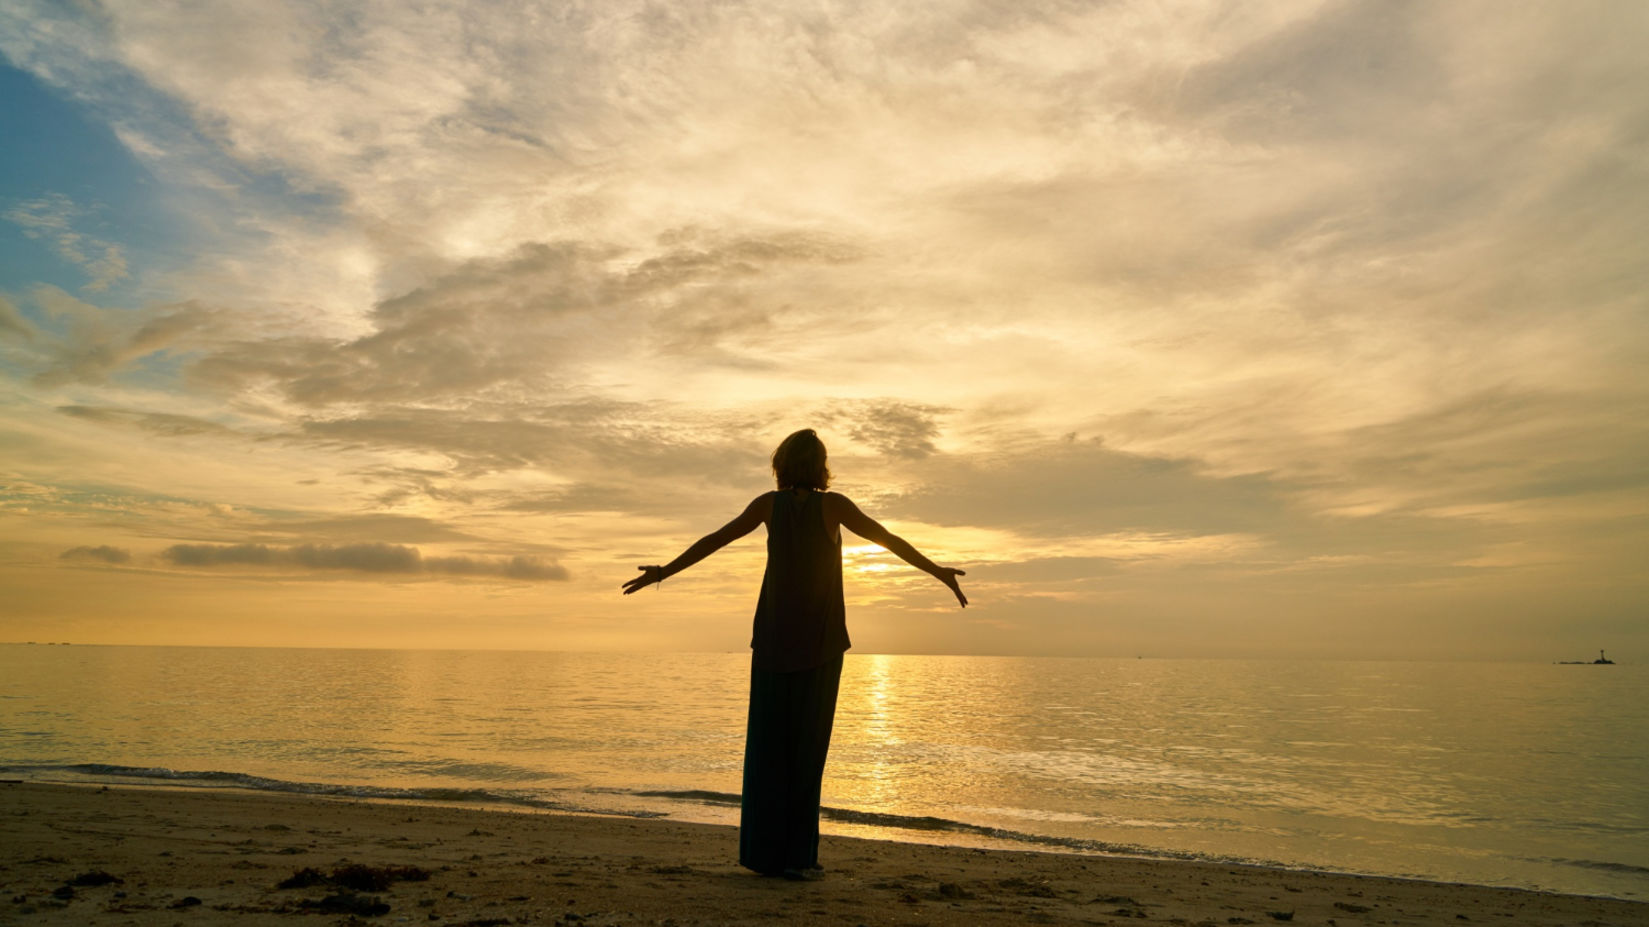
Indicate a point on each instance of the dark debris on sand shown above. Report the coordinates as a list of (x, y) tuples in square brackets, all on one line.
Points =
[(356, 877), (303, 878), (351, 882), (348, 903), (95, 877), (376, 878)]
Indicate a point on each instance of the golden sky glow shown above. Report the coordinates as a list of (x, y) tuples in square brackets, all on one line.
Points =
[(1264, 329)]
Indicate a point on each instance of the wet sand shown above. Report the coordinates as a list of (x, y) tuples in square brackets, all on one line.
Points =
[(142, 856)]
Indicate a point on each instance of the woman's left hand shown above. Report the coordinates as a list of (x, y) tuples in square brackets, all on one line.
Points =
[(649, 575), (948, 576)]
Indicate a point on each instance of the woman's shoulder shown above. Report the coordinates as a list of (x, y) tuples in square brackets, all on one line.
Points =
[(829, 498), (760, 507), (835, 502)]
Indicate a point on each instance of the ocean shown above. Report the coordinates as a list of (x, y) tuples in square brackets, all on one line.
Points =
[(1527, 775)]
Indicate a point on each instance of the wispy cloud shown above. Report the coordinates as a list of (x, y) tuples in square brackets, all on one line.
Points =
[(12, 323), (51, 218), (102, 553), (898, 429), (81, 342), (158, 422), (368, 558)]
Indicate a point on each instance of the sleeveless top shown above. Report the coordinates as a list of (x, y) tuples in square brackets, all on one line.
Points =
[(801, 621)]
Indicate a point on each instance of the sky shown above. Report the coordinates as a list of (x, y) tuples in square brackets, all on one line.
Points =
[(1188, 329)]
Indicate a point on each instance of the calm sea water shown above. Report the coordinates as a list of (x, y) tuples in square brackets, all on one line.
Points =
[(1505, 774)]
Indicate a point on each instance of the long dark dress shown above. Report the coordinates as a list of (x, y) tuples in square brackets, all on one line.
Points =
[(796, 665)]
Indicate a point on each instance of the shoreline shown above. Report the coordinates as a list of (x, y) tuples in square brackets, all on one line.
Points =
[(184, 855), (836, 822)]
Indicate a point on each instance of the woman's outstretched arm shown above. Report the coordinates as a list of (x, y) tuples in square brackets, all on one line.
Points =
[(754, 514), (871, 530)]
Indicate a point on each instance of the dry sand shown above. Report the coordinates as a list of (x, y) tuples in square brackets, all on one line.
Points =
[(190, 857)]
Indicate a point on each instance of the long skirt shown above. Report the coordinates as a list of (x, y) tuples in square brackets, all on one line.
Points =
[(785, 744)]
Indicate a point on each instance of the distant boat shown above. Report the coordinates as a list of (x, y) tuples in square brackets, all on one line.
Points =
[(1600, 661)]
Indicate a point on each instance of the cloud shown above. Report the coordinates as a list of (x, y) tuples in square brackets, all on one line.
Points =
[(51, 218), (581, 497), (491, 325), (359, 529), (538, 318), (102, 553), (409, 483), (87, 344), (897, 429), (12, 323), (1495, 449), (1074, 508), (1081, 487), (517, 567), (369, 558), (1341, 69), (1048, 570), (220, 554), (161, 423)]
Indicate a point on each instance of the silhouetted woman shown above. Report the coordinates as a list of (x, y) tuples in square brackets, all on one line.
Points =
[(800, 636)]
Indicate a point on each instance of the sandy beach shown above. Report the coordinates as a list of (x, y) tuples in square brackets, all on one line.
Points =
[(81, 855)]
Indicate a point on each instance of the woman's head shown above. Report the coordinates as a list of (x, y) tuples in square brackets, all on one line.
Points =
[(799, 463)]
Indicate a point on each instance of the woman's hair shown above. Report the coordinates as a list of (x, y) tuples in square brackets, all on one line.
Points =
[(799, 463)]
